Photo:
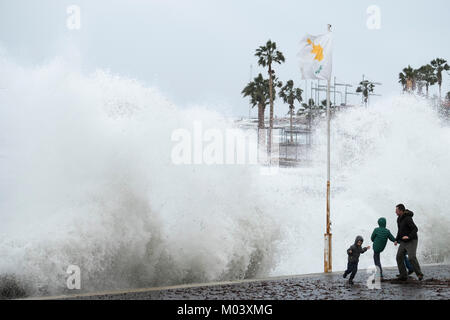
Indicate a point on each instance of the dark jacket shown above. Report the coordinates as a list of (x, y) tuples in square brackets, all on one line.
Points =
[(353, 257), (406, 226), (380, 236)]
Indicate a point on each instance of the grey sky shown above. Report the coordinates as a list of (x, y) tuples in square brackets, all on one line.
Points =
[(200, 51)]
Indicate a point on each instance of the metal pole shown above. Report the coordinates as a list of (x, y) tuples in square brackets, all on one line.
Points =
[(306, 91), (362, 95), (345, 95), (250, 80), (318, 93), (327, 251), (334, 92)]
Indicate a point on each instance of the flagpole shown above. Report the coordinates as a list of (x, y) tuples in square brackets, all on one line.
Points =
[(327, 251)]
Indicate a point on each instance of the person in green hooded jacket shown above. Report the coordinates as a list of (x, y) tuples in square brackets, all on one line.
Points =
[(380, 237)]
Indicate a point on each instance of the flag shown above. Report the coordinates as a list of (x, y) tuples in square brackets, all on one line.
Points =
[(315, 56)]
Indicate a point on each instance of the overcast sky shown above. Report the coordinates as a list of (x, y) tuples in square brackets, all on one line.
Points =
[(200, 51)]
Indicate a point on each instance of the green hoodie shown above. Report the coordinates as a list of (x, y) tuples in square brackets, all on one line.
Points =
[(380, 236)]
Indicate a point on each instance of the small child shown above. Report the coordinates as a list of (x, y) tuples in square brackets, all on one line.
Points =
[(379, 238), (353, 258)]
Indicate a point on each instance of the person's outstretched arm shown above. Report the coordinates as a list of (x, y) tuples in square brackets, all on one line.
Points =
[(398, 238), (365, 249), (391, 237)]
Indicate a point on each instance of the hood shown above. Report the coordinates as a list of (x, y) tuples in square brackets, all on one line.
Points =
[(359, 238), (382, 222), (408, 213)]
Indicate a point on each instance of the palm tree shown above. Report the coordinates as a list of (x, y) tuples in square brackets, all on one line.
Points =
[(402, 80), (439, 65), (267, 55), (365, 87), (289, 94), (408, 78), (426, 74), (258, 91), (309, 105)]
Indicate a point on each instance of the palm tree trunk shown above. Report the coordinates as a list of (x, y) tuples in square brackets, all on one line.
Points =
[(261, 133), (271, 111), (292, 111), (261, 116), (440, 93)]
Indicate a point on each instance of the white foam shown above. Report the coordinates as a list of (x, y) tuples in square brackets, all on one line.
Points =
[(87, 179)]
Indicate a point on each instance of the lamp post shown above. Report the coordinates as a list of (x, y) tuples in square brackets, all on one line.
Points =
[(327, 236)]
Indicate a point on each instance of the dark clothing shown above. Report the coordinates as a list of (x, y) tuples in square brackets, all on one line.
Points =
[(410, 248), (406, 227), (377, 261), (352, 269), (353, 258), (354, 251), (380, 236)]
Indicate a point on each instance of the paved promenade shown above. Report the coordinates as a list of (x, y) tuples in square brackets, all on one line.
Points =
[(436, 285)]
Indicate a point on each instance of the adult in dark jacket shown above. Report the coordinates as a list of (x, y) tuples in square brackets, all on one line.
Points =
[(379, 238), (407, 238), (353, 258)]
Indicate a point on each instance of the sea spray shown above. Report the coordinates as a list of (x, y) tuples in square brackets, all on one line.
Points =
[(87, 179), (393, 152)]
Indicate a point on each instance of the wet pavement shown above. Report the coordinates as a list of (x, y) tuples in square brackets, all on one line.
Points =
[(436, 285)]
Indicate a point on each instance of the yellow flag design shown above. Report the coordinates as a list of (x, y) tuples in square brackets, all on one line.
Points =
[(315, 56), (317, 50)]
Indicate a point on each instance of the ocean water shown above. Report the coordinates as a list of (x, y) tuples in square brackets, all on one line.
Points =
[(87, 178)]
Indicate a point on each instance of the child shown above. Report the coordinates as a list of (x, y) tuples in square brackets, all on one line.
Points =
[(379, 238), (353, 258)]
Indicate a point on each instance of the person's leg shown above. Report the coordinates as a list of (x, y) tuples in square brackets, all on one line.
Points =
[(376, 259), (401, 260), (408, 265), (354, 271), (346, 272), (411, 248)]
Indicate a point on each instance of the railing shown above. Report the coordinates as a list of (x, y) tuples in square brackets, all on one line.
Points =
[(295, 146)]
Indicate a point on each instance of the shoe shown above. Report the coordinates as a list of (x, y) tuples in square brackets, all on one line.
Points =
[(350, 282), (344, 275), (420, 277)]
